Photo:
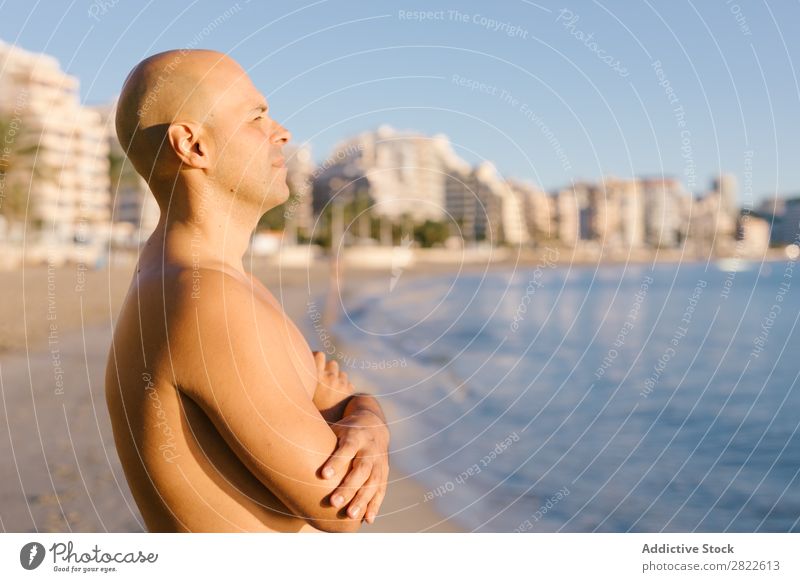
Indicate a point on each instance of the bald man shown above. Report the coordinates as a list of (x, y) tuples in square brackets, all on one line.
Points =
[(223, 418)]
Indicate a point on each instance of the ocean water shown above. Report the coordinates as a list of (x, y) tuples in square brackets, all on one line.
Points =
[(614, 398)]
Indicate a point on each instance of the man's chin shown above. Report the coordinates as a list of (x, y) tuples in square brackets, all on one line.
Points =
[(275, 199), (277, 191)]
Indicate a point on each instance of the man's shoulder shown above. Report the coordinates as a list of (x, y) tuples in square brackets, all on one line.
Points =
[(196, 285), (206, 284), (215, 323), (209, 297)]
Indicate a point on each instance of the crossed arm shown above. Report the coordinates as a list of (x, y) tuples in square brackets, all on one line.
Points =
[(248, 386), (363, 439)]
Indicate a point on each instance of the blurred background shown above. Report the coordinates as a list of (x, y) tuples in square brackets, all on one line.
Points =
[(558, 241)]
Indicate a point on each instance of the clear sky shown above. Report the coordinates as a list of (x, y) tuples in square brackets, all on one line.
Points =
[(549, 92)]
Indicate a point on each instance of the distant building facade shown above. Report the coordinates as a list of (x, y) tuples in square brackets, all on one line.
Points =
[(402, 173), (58, 155)]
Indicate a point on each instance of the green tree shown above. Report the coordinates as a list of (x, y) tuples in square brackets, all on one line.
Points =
[(115, 164), (431, 233), (356, 217), (16, 172), (275, 218)]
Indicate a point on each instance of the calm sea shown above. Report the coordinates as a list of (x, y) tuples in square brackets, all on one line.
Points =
[(557, 398)]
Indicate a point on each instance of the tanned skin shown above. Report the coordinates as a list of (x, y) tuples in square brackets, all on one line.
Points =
[(223, 418)]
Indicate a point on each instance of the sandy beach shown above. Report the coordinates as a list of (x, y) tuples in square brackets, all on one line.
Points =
[(62, 473)]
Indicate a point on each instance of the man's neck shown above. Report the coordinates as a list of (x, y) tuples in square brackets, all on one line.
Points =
[(201, 231)]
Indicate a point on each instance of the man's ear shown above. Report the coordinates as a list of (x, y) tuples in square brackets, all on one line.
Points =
[(189, 144)]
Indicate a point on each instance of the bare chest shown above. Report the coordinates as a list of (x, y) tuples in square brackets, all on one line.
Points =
[(300, 352)]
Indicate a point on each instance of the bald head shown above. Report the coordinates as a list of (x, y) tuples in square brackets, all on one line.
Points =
[(161, 89), (194, 118)]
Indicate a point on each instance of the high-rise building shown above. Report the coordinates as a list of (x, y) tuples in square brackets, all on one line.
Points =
[(514, 225), (726, 186), (568, 217), (616, 213), (59, 149), (538, 210), (575, 214), (486, 206), (631, 213), (403, 173), (711, 220), (662, 211), (463, 205)]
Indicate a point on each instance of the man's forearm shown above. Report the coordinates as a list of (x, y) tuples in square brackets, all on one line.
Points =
[(357, 402), (335, 413), (360, 402)]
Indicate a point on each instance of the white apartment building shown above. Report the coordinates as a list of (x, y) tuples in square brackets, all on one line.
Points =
[(538, 209), (403, 173), (662, 207), (59, 149), (727, 187), (487, 207), (567, 211), (616, 217)]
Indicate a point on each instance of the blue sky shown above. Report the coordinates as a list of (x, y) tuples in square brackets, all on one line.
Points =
[(516, 82)]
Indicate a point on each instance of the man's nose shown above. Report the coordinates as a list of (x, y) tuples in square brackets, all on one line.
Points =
[(281, 135)]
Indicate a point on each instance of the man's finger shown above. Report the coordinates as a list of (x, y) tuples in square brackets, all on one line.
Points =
[(354, 481), (339, 461), (363, 497), (375, 502), (333, 367), (319, 360)]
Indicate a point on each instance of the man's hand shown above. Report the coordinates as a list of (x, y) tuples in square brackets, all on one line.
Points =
[(333, 389), (361, 459), (363, 440)]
